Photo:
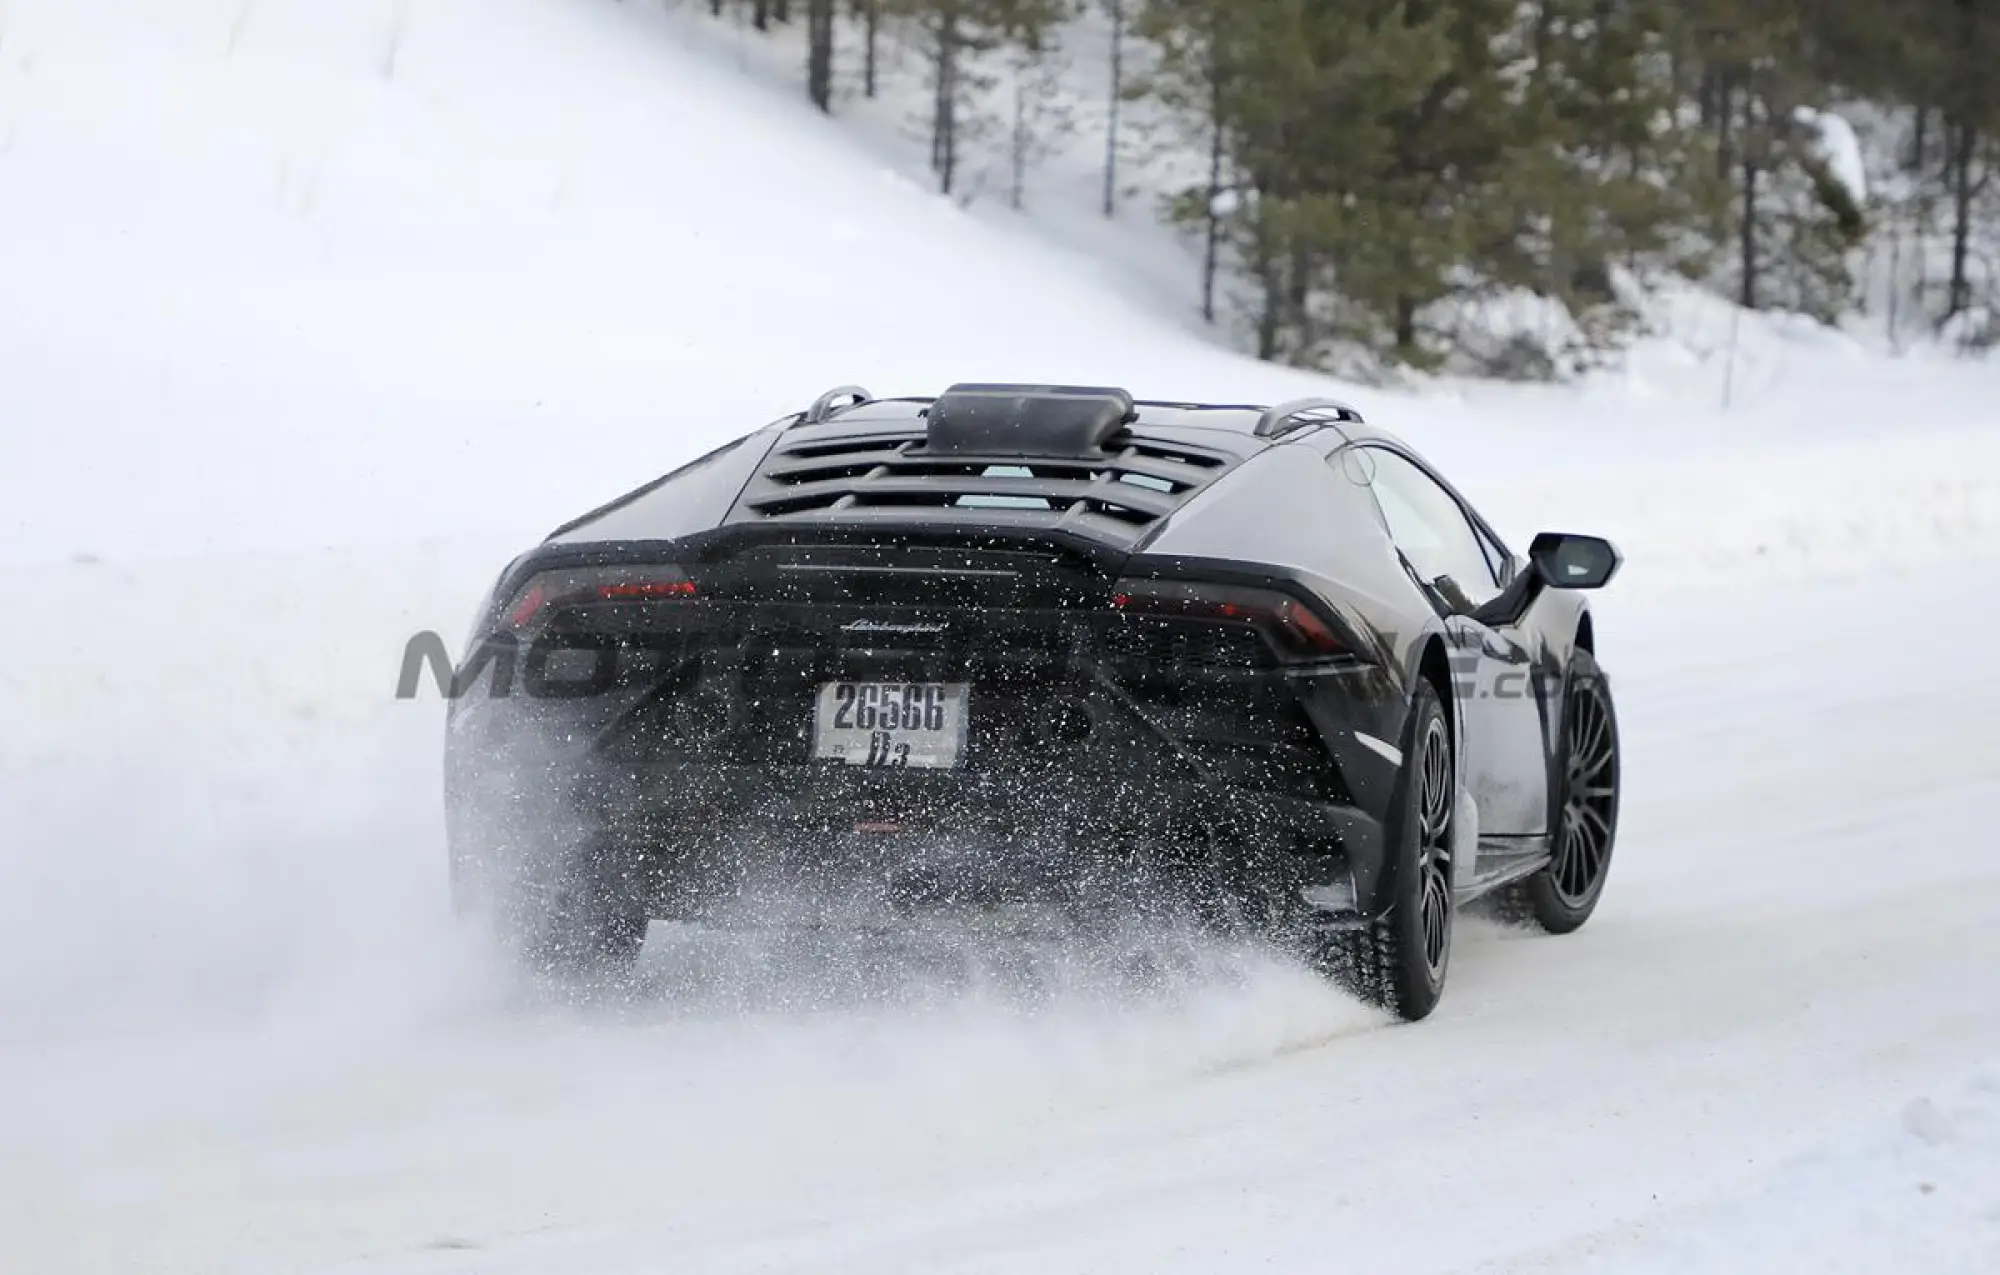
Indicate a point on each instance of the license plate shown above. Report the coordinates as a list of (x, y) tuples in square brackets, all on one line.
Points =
[(892, 724)]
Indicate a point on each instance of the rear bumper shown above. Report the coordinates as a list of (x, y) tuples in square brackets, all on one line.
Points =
[(693, 787), (687, 839)]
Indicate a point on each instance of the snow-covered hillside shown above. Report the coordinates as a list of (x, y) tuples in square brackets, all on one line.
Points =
[(377, 255), (380, 256), (311, 315)]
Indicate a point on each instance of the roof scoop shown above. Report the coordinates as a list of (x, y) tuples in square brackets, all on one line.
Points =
[(1047, 421)]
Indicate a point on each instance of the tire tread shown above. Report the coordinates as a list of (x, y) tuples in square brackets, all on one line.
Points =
[(1363, 962)]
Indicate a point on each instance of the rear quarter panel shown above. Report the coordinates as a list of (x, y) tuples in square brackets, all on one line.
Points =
[(1291, 508)]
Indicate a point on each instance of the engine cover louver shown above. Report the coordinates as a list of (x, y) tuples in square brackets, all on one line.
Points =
[(1127, 487)]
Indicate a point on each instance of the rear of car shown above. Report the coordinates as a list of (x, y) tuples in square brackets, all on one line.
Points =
[(907, 653)]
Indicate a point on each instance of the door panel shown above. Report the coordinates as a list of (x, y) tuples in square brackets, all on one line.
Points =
[(1492, 669), (1504, 726)]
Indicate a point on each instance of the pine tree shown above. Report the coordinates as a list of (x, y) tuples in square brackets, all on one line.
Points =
[(1793, 226), (1394, 157), (954, 33), (1630, 176), (1299, 99), (1196, 78)]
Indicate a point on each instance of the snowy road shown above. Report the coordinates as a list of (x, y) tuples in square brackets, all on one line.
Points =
[(1799, 940)]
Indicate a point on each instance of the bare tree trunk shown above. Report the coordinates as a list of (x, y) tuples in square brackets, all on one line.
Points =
[(760, 15), (1725, 115), (1971, 102), (1890, 320), (1677, 65), (1748, 244), (236, 27), (871, 25), (400, 24), (1018, 156), (1117, 100), (944, 118), (1298, 301), (1268, 318), (1212, 250), (819, 53), (1298, 293), (1962, 189), (940, 83)]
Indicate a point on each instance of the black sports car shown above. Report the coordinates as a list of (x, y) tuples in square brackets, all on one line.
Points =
[(1023, 642)]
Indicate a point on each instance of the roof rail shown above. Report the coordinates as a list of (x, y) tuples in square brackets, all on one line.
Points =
[(828, 403), (1278, 420)]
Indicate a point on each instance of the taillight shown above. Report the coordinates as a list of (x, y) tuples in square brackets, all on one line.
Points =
[(586, 585), (1294, 628)]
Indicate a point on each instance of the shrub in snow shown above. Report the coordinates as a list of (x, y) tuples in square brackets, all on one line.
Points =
[(1976, 329)]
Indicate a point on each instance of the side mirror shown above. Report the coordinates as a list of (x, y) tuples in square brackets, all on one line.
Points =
[(1569, 561), (1556, 560)]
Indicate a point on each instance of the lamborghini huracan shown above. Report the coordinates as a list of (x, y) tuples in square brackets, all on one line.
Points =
[(1047, 644)]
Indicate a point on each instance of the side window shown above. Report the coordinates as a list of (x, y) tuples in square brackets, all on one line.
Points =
[(1427, 524), (1496, 554)]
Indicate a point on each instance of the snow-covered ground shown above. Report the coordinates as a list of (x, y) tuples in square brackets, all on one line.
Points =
[(311, 315)]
